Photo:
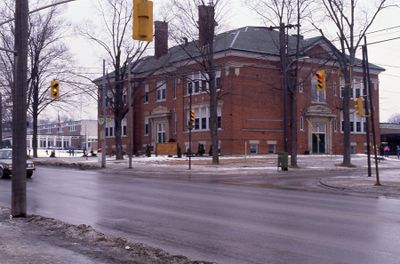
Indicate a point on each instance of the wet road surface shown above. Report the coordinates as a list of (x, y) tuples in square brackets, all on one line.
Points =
[(222, 223)]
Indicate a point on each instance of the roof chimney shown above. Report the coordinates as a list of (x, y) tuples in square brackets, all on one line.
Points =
[(160, 38), (206, 24)]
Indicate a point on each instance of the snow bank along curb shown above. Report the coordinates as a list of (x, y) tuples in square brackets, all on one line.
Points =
[(137, 252)]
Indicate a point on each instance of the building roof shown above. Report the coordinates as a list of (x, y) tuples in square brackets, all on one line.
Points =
[(259, 40), (389, 128), (255, 40)]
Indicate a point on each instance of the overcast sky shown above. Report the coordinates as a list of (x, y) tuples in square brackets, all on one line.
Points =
[(386, 54)]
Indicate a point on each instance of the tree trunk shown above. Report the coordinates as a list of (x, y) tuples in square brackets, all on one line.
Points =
[(213, 88), (214, 117), (35, 114), (293, 102), (118, 107), (118, 138)]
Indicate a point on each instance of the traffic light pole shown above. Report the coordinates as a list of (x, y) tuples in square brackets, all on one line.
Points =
[(130, 117), (104, 114), (190, 128)]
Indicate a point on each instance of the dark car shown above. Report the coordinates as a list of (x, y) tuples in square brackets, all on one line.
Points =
[(6, 164)]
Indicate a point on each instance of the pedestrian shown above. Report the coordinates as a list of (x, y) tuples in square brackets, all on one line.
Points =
[(73, 152), (386, 150), (398, 151)]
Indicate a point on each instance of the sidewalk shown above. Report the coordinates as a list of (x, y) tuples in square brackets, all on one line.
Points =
[(40, 240), (347, 180)]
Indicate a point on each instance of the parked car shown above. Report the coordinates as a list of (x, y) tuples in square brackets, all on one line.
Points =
[(6, 164)]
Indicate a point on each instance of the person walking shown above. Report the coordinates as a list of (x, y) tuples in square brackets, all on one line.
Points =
[(398, 151), (386, 150)]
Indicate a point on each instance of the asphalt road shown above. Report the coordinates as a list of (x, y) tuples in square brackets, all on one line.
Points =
[(221, 223)]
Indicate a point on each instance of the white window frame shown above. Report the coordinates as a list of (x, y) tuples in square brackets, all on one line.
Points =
[(146, 93), (124, 127), (317, 96), (110, 128), (301, 123), (175, 88), (301, 86), (271, 144), (354, 118), (256, 145), (200, 78), (334, 124), (161, 132), (161, 92), (146, 126), (202, 117)]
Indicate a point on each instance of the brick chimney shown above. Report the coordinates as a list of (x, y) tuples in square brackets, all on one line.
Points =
[(206, 24), (160, 38)]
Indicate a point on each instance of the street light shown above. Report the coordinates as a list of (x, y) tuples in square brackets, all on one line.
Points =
[(293, 61)]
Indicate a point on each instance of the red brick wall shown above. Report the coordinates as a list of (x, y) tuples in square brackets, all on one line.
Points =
[(251, 107)]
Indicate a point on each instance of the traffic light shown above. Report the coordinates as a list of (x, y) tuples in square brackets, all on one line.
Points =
[(192, 116), (320, 76), (55, 89), (360, 110), (142, 20)]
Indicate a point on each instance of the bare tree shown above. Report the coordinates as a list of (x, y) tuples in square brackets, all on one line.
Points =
[(121, 50), (352, 21), (201, 33), (286, 15), (394, 118), (48, 58)]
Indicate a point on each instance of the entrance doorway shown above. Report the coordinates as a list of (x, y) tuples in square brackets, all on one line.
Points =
[(161, 133), (318, 143)]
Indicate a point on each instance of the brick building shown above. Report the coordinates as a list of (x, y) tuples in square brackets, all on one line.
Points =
[(80, 134), (250, 109)]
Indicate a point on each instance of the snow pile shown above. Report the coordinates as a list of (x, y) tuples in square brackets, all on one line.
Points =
[(118, 247)]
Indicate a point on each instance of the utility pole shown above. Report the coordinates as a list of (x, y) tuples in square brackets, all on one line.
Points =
[(129, 122), (371, 106), (284, 56), (104, 114), (366, 106), (18, 189), (1, 120), (190, 126)]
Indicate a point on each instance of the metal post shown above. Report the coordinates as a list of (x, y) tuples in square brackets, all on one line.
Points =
[(104, 114), (366, 106), (129, 124), (190, 128), (1, 120)]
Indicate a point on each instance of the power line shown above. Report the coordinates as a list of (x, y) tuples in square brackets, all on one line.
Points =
[(381, 41), (376, 31), (384, 29), (387, 65)]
